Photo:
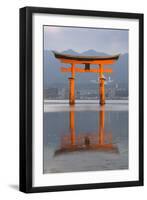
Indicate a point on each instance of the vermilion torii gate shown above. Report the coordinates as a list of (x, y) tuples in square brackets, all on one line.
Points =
[(86, 60)]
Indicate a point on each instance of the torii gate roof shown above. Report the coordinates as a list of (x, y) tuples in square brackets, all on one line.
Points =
[(84, 58)]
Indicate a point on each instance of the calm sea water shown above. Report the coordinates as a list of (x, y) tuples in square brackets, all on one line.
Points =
[(85, 137)]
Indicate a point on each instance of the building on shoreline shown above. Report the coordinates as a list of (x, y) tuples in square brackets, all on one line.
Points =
[(113, 91)]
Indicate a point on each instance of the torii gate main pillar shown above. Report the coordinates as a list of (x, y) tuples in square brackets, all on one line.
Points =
[(71, 91), (72, 85), (101, 86)]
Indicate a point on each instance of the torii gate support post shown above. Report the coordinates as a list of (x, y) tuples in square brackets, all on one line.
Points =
[(101, 86), (72, 86)]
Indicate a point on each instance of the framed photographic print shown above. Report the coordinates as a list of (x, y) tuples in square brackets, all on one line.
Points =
[(81, 99)]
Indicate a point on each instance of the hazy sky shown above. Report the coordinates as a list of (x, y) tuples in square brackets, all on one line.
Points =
[(81, 39)]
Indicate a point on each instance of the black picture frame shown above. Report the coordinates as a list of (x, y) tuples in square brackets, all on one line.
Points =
[(26, 92)]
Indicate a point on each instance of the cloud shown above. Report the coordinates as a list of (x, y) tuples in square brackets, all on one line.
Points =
[(81, 39)]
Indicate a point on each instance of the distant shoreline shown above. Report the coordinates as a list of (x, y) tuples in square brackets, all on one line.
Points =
[(63, 106), (85, 101)]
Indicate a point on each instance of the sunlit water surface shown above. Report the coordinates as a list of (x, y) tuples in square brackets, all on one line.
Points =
[(85, 137)]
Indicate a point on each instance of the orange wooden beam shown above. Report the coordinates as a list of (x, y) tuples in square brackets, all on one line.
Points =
[(104, 62), (80, 70)]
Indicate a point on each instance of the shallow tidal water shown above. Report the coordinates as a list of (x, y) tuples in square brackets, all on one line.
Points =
[(85, 137)]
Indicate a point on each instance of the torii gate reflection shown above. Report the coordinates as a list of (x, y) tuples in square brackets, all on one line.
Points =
[(99, 141)]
